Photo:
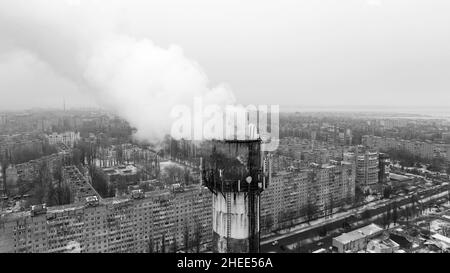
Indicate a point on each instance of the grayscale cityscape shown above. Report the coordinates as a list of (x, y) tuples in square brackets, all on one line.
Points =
[(204, 126)]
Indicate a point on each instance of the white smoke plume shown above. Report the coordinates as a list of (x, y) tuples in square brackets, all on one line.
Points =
[(130, 76)]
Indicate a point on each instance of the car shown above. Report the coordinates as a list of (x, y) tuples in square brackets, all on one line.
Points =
[(138, 194), (38, 209), (274, 243), (92, 201)]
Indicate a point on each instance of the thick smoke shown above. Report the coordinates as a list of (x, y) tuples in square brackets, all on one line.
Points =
[(133, 77)]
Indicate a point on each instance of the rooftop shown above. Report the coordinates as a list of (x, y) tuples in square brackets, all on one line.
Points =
[(359, 234), (441, 238)]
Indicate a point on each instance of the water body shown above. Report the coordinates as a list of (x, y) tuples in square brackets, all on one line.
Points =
[(411, 112)]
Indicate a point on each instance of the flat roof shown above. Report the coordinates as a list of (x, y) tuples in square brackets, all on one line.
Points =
[(358, 234), (398, 177), (441, 238), (385, 243)]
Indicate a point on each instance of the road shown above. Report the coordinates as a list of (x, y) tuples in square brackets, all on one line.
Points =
[(308, 233)]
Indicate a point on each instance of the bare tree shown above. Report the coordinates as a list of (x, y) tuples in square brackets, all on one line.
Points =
[(163, 243), (175, 244), (150, 245), (197, 234), (394, 213), (4, 165), (186, 236)]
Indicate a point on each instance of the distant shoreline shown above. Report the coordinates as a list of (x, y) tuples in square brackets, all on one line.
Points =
[(398, 112)]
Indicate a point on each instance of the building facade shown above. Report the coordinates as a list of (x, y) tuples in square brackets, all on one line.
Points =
[(162, 221), (367, 169), (295, 196), (68, 138)]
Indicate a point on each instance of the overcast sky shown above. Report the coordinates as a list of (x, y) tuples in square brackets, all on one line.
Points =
[(309, 52)]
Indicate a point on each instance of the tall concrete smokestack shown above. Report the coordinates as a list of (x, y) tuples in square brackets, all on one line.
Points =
[(236, 184)]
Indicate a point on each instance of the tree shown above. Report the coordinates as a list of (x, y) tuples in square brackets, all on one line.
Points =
[(77, 157), (359, 195), (175, 244), (43, 183), (197, 234), (99, 181), (311, 211), (331, 205), (387, 191), (4, 164), (172, 174), (268, 222), (394, 214), (186, 236), (387, 217), (407, 213), (323, 231), (436, 164), (122, 185), (414, 201), (119, 154), (150, 245), (163, 243), (366, 214), (187, 176), (23, 189)]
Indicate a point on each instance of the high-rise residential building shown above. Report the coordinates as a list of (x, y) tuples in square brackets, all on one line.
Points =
[(384, 163), (367, 169), (160, 221), (318, 189), (284, 200)]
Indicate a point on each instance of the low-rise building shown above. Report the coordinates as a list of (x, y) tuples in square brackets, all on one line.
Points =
[(382, 245), (356, 240)]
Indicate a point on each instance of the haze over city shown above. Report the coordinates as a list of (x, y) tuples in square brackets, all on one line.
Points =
[(308, 53)]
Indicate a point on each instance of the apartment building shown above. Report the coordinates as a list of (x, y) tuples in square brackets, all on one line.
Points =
[(29, 171), (285, 199), (78, 183), (367, 169), (333, 184), (161, 221), (426, 150), (68, 138), (292, 193), (9, 143)]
